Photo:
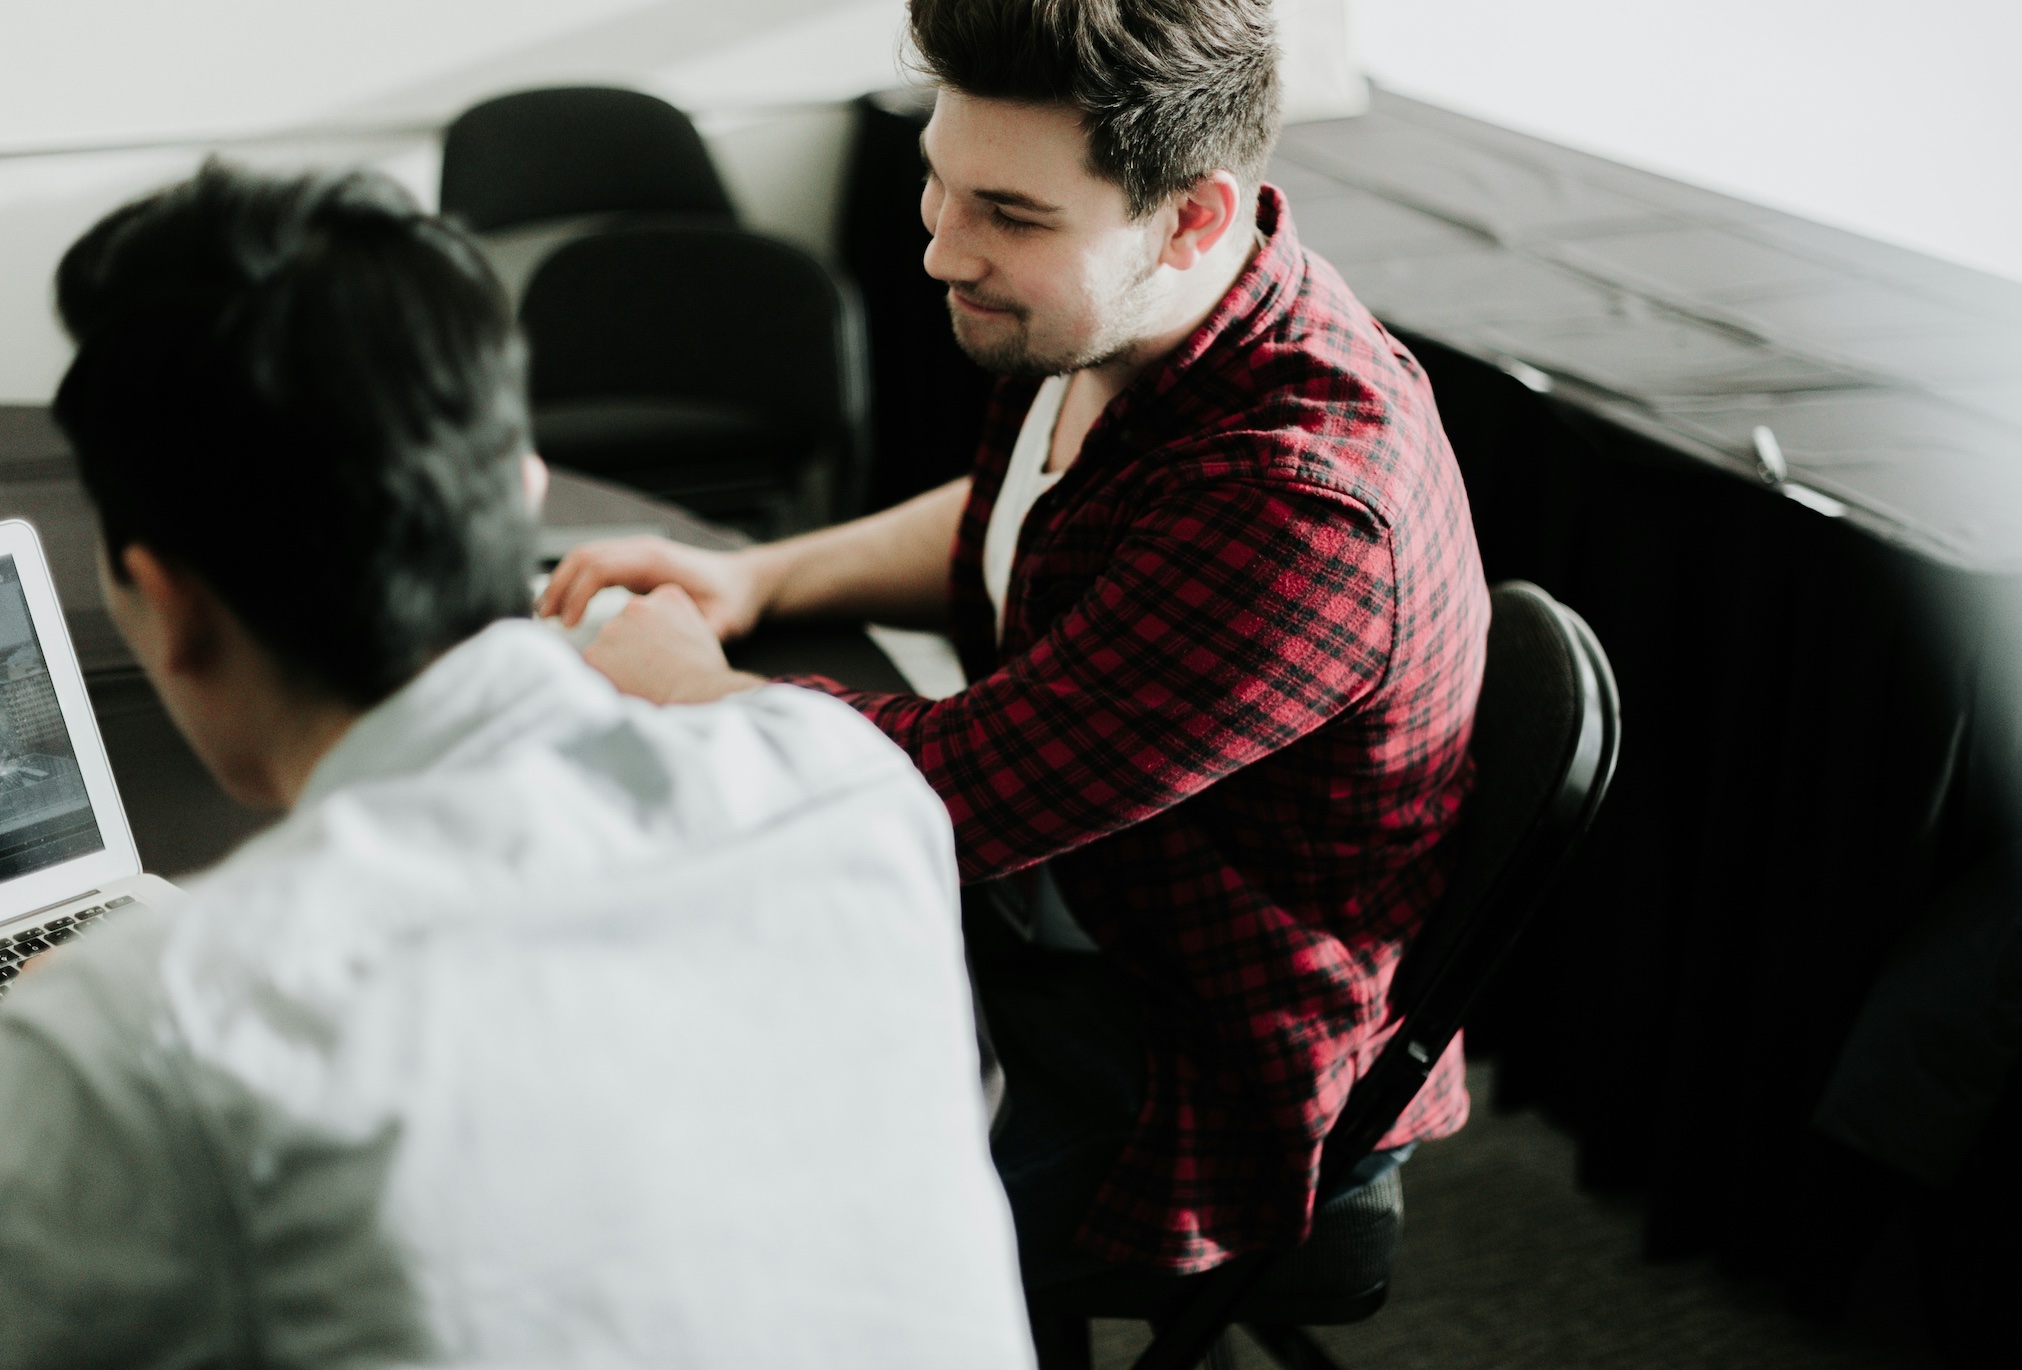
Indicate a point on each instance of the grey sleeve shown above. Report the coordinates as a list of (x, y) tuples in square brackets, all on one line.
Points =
[(104, 1256)]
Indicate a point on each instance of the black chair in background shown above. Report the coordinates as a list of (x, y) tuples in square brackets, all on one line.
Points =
[(929, 397), (714, 367), (1546, 737), (536, 155), (529, 171)]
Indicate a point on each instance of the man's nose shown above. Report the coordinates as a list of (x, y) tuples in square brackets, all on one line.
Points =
[(947, 258)]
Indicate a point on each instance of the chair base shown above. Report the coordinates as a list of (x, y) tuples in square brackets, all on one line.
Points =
[(1291, 1346), (1341, 1274), (1064, 1342)]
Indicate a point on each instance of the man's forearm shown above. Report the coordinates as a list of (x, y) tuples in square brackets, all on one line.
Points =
[(891, 566)]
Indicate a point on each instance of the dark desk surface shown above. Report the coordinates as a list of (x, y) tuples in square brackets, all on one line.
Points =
[(182, 822), (1892, 380)]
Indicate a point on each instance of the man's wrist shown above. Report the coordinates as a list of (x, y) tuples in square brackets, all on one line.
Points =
[(769, 564)]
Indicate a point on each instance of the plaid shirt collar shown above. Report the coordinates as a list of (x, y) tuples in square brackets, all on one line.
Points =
[(1261, 293)]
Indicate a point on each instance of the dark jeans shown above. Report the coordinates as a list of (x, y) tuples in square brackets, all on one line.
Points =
[(1066, 1031)]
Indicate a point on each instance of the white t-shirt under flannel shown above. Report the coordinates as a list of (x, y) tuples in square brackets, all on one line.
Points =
[(1025, 480), (1043, 913)]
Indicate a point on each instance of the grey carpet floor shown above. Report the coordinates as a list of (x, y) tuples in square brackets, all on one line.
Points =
[(1506, 1266)]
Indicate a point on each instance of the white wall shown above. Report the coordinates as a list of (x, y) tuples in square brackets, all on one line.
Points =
[(1900, 119), (1897, 120), (159, 84), (90, 72), (46, 202)]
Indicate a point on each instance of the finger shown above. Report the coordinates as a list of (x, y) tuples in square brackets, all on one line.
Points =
[(551, 593), (673, 595), (711, 616), (639, 564), (555, 600), (584, 572), (667, 615), (622, 654)]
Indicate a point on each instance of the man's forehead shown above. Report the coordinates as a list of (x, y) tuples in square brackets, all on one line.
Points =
[(1012, 152)]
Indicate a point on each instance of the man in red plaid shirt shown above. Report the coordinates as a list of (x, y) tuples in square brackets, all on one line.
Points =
[(1216, 587)]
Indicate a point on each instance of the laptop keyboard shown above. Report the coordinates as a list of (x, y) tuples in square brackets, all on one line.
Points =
[(16, 947)]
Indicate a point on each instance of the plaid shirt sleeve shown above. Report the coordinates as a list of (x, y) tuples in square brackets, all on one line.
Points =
[(1234, 619)]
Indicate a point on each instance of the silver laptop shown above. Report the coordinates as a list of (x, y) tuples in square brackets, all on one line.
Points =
[(67, 858)]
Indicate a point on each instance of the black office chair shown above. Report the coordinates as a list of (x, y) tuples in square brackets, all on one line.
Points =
[(714, 367), (928, 397), (1546, 736), (560, 153)]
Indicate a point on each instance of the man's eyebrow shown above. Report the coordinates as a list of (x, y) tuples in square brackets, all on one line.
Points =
[(1008, 199), (1012, 199)]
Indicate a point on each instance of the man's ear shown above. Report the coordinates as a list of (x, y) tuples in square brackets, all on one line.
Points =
[(182, 614), (1206, 212)]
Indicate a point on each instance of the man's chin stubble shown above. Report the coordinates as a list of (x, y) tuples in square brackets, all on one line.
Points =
[(1010, 357), (1014, 356)]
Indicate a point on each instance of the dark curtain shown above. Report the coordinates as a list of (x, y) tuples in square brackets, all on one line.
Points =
[(1807, 759)]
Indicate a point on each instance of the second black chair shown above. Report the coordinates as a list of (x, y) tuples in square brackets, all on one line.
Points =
[(714, 367), (559, 153)]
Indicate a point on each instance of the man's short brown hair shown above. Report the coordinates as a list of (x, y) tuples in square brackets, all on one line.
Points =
[(1168, 90)]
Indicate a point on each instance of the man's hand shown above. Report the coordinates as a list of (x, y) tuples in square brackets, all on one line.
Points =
[(891, 567), (661, 648), (40, 961), (727, 588)]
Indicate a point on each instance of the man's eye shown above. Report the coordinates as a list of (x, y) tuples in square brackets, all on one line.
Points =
[(1011, 225)]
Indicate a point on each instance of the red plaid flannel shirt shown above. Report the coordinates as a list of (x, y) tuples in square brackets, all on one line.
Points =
[(1232, 703)]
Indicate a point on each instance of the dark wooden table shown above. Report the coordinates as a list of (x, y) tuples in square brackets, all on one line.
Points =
[(182, 822), (1892, 380)]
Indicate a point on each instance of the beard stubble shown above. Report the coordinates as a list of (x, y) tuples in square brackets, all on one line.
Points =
[(1122, 320)]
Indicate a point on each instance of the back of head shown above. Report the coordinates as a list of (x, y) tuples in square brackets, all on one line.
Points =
[(311, 395), (1168, 90)]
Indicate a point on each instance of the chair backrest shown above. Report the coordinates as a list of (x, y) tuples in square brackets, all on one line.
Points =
[(1546, 734), (929, 398), (711, 315), (574, 150)]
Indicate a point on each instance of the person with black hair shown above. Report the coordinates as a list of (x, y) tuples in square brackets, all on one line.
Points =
[(548, 1027), (1216, 588)]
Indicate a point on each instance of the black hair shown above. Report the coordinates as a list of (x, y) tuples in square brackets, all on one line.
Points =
[(311, 395), (1168, 90)]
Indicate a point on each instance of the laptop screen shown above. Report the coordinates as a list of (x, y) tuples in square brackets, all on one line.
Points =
[(45, 813)]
